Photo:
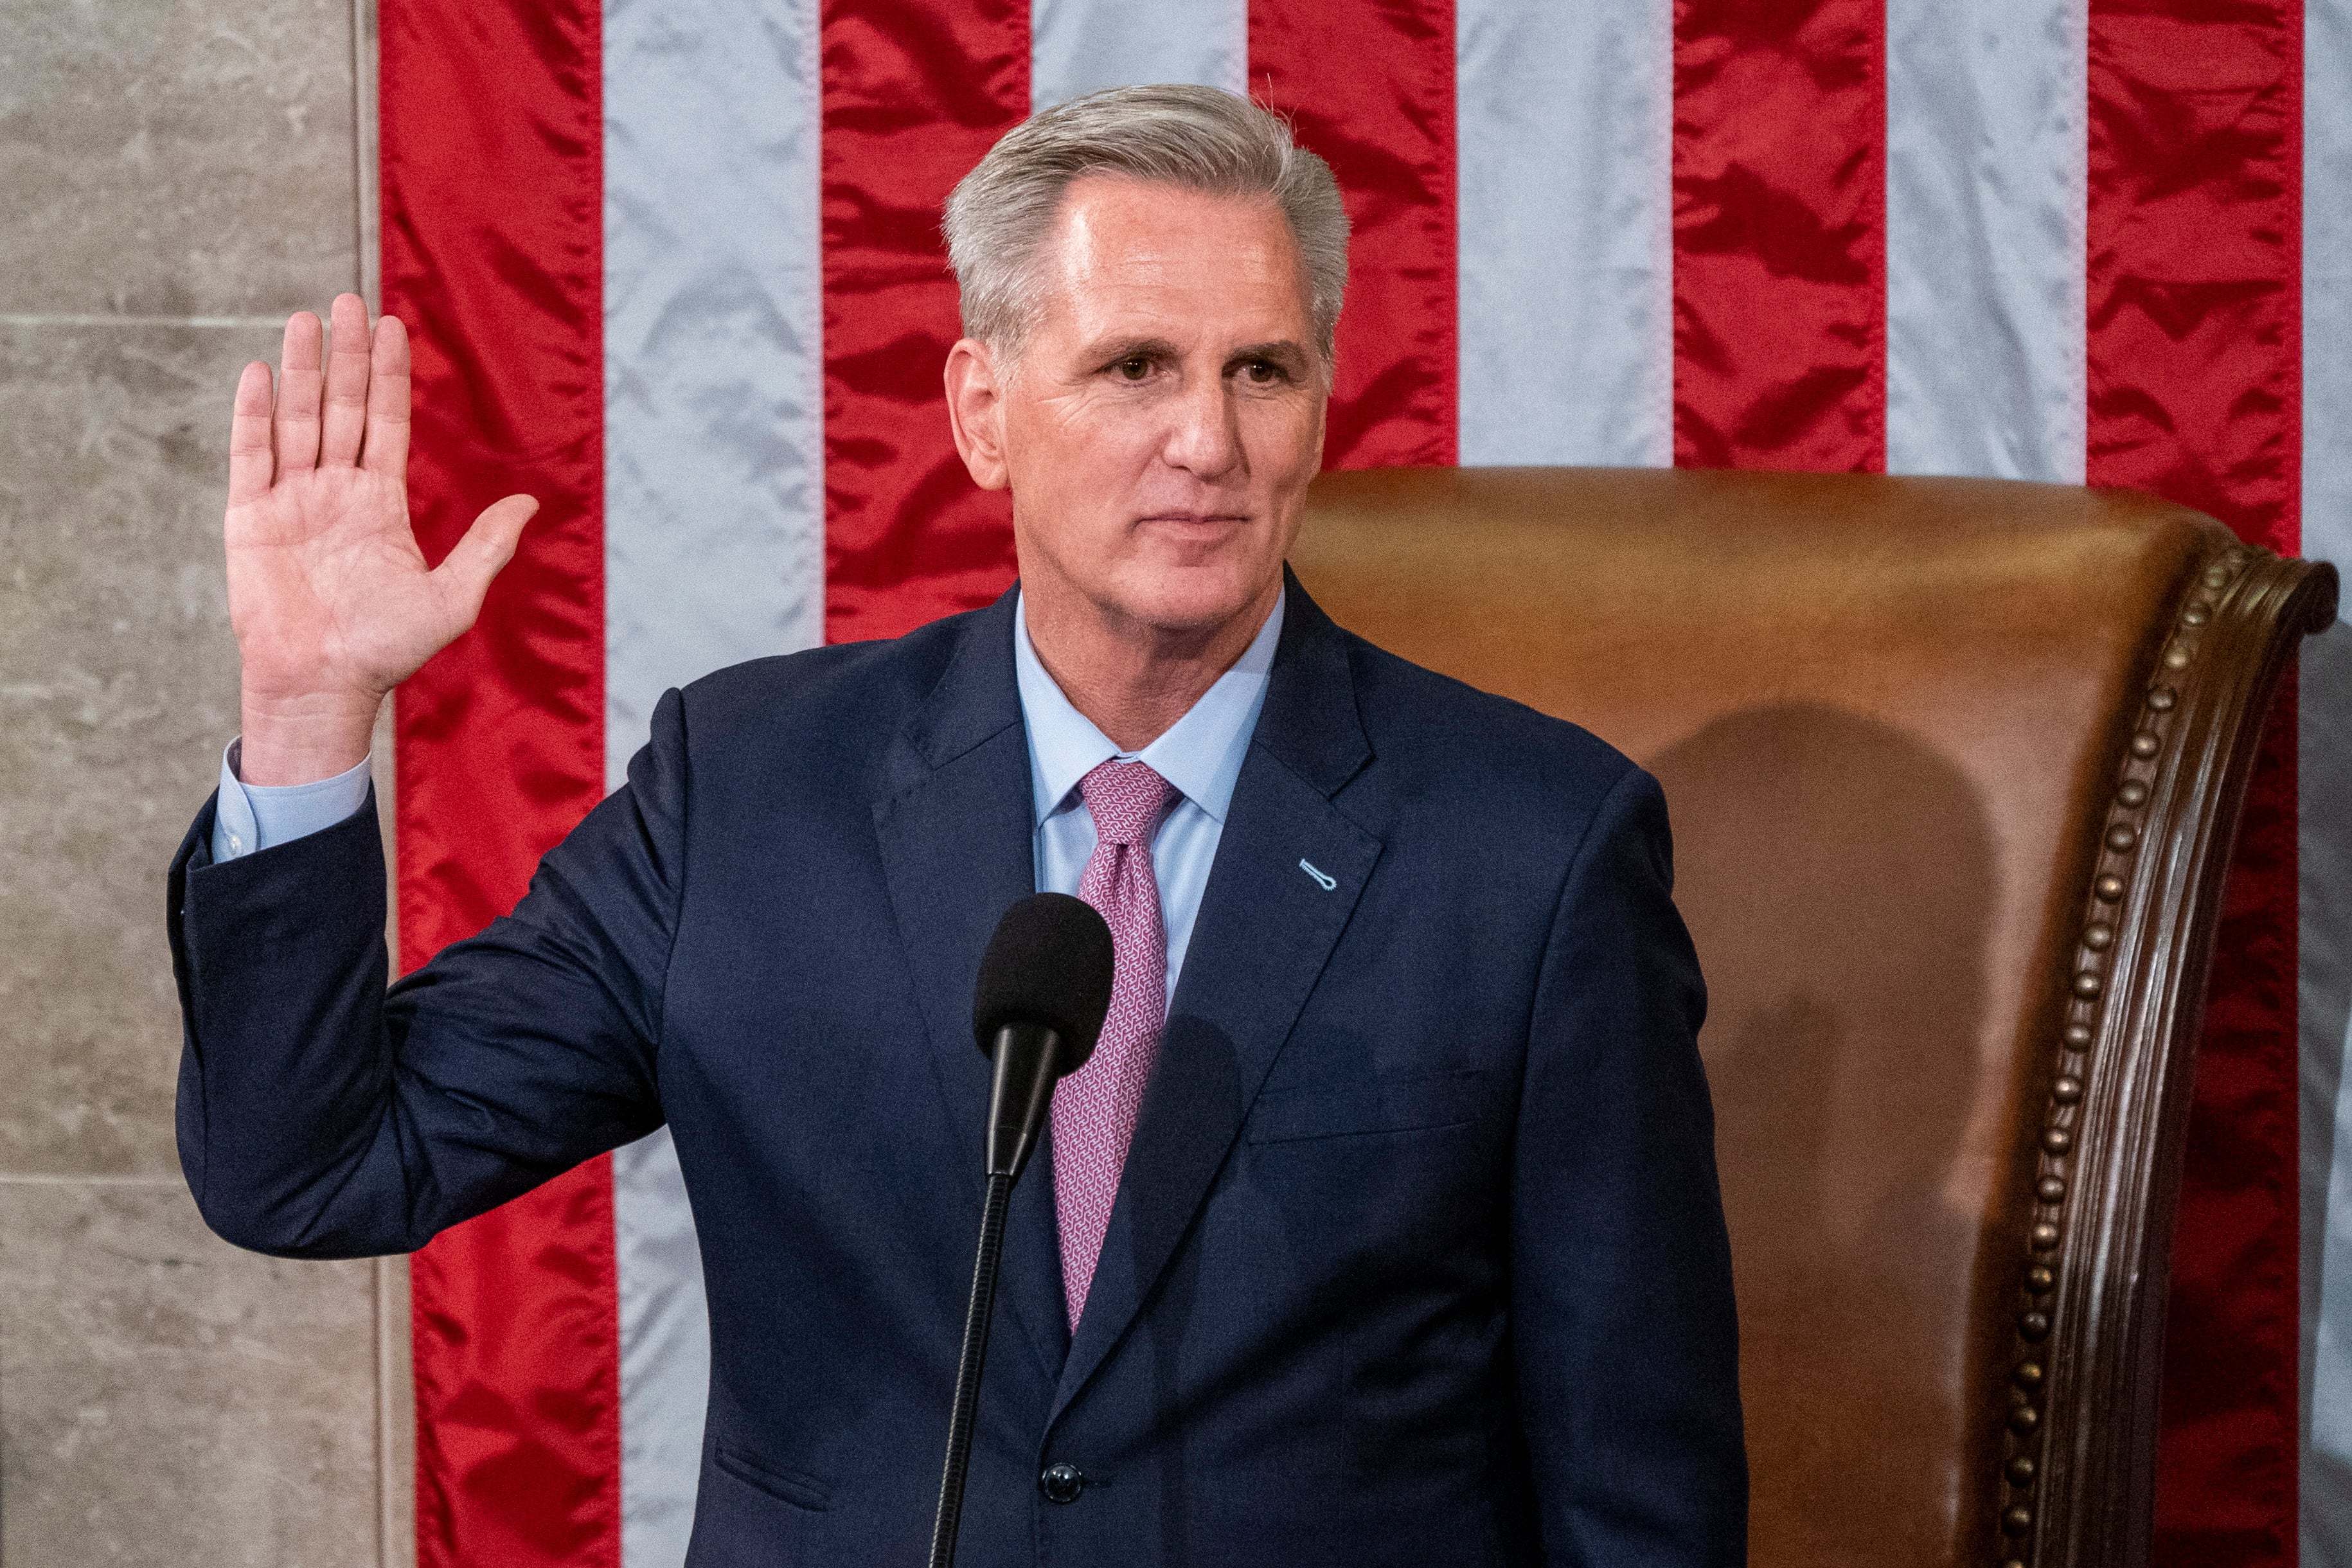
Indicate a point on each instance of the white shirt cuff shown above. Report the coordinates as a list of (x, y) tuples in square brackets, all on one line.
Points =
[(260, 817)]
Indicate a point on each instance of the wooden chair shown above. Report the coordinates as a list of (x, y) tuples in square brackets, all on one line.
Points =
[(1955, 769)]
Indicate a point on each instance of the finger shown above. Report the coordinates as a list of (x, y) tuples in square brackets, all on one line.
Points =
[(250, 465), (387, 451), (297, 428), (347, 384), (463, 575)]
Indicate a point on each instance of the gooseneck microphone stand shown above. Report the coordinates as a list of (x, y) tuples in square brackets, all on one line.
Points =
[(975, 1352), (1044, 988)]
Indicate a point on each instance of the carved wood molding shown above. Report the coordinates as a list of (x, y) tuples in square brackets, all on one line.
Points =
[(2094, 1254)]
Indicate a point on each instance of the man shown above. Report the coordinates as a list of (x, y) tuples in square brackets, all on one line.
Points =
[(1383, 1229)]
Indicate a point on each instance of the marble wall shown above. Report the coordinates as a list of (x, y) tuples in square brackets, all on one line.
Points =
[(175, 175)]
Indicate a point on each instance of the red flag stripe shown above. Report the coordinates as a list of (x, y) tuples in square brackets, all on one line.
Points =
[(915, 92), (1780, 174), (492, 253), (1370, 84), (2194, 354)]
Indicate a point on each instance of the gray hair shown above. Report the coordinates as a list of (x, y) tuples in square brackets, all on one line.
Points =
[(1197, 138)]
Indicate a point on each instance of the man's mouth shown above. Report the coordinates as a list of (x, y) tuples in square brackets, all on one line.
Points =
[(1197, 518)]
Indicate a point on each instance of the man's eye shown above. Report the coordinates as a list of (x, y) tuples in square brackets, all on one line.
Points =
[(1134, 368), (1262, 373)]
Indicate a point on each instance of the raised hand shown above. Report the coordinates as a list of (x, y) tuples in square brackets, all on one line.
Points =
[(328, 592)]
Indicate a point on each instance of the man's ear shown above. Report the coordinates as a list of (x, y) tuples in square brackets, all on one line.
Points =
[(976, 412)]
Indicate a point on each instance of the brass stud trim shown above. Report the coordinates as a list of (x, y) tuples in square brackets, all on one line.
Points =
[(2119, 837)]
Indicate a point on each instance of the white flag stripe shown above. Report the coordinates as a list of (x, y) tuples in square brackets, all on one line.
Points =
[(1564, 137), (2327, 281), (714, 517), (665, 1353), (1986, 166), (714, 533), (2324, 780), (1078, 46)]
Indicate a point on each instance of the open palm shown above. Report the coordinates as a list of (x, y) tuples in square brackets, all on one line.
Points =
[(330, 596)]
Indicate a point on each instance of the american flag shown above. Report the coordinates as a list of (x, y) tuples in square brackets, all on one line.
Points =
[(674, 266)]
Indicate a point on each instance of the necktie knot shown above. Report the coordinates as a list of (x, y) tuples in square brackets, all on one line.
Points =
[(1125, 800)]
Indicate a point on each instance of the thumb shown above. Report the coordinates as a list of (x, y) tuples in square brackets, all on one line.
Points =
[(463, 575)]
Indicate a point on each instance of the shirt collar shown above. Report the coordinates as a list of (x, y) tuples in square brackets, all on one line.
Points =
[(1200, 754)]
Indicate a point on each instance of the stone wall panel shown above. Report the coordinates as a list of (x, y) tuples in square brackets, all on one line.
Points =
[(175, 158), (166, 1400)]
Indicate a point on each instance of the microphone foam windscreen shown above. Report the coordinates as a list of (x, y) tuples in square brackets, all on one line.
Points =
[(1049, 963)]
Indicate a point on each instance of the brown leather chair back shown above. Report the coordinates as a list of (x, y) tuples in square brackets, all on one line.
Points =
[(1954, 768)]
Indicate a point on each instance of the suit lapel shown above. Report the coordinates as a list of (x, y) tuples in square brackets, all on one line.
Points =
[(1266, 926), (954, 828)]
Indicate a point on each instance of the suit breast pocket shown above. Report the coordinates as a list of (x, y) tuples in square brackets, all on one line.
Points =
[(1366, 1105)]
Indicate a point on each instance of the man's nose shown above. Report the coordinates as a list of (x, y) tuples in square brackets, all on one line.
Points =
[(1204, 432)]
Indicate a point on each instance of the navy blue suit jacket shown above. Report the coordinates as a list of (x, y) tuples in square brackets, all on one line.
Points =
[(1418, 1257)]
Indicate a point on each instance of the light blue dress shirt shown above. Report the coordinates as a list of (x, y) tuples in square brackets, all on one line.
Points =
[(1201, 755)]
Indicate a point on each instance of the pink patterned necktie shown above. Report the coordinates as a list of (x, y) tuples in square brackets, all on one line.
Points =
[(1095, 1108)]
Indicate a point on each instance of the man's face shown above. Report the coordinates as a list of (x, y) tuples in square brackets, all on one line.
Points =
[(1166, 414)]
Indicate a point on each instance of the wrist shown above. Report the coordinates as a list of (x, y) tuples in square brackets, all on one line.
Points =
[(301, 740)]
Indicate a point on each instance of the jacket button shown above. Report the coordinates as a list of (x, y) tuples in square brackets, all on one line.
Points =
[(1062, 1483)]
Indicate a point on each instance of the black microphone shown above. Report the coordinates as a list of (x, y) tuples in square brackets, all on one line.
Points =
[(1044, 988)]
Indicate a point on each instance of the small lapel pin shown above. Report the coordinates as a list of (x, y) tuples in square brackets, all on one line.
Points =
[(1328, 882)]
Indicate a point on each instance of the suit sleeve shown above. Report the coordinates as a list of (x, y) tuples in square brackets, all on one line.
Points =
[(322, 1114), (1622, 1325)]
